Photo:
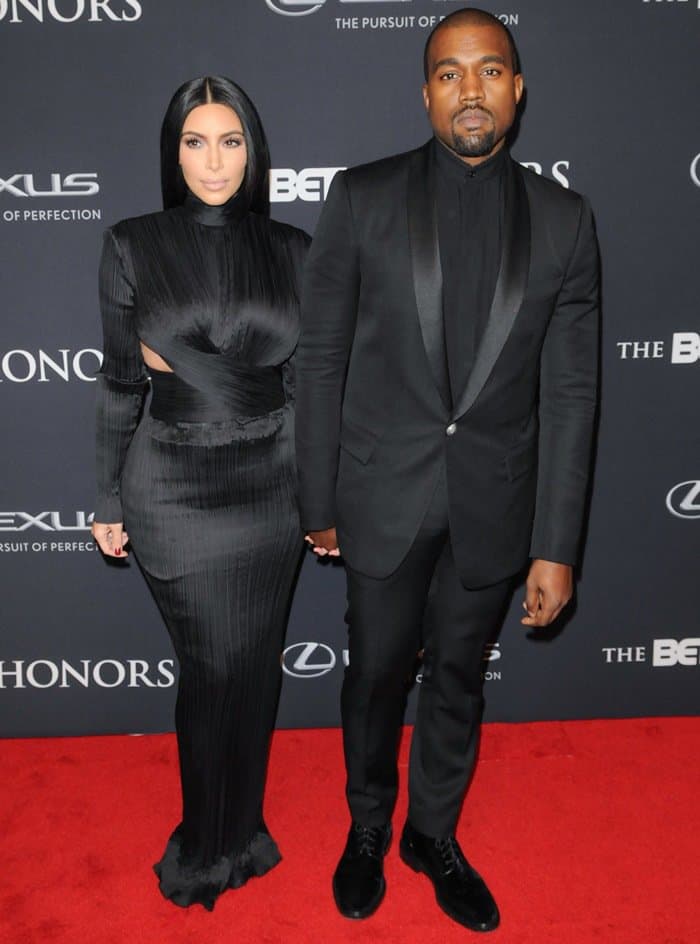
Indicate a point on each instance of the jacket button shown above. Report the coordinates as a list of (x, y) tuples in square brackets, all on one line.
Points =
[(451, 429)]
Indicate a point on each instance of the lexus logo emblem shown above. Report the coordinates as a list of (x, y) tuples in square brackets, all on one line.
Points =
[(308, 660), (695, 170), (295, 7), (683, 500)]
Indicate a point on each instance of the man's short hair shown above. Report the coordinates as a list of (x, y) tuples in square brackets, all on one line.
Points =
[(470, 16)]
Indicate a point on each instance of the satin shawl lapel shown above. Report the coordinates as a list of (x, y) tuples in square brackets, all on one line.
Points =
[(425, 263), (510, 287)]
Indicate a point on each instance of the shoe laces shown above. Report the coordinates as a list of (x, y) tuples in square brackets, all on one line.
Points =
[(451, 854), (368, 839)]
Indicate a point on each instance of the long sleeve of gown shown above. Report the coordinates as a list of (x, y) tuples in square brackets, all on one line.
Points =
[(121, 383), (300, 249)]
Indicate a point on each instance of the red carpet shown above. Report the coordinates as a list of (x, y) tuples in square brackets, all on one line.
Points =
[(586, 832)]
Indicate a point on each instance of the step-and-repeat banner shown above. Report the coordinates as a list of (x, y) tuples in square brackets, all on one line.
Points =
[(609, 112)]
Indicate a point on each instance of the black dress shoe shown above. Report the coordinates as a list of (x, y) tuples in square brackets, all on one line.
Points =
[(460, 891), (358, 882)]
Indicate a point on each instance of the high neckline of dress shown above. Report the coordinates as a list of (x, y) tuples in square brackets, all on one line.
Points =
[(209, 215)]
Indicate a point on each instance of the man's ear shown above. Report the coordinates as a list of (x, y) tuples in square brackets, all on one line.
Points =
[(519, 84)]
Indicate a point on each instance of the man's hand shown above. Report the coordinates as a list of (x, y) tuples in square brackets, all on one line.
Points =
[(324, 542), (549, 588), (111, 538)]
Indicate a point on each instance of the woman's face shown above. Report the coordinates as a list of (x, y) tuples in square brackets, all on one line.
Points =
[(213, 153)]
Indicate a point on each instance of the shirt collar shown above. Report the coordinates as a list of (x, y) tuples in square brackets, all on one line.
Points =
[(454, 168)]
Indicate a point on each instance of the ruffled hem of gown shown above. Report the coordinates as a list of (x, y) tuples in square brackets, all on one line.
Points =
[(186, 885)]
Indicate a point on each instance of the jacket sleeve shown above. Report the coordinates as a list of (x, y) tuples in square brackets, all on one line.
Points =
[(328, 315), (121, 382), (567, 404)]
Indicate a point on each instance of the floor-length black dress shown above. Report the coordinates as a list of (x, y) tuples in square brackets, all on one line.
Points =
[(203, 479)]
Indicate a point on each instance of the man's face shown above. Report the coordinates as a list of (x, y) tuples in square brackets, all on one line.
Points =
[(472, 93)]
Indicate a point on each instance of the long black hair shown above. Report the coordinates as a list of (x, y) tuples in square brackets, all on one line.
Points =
[(218, 90)]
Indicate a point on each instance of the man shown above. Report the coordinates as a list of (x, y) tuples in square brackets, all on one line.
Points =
[(445, 408)]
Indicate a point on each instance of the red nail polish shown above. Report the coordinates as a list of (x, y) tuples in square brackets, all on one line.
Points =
[(117, 551)]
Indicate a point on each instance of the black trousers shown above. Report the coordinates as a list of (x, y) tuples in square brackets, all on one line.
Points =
[(423, 604)]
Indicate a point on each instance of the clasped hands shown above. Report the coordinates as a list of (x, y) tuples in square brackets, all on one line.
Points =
[(323, 543), (548, 589)]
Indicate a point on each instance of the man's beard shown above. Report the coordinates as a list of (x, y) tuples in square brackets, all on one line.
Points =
[(475, 143), (479, 144)]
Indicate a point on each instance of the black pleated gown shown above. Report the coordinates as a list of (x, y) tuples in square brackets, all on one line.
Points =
[(203, 479)]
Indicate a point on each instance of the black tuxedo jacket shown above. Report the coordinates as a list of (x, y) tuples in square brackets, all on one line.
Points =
[(373, 427)]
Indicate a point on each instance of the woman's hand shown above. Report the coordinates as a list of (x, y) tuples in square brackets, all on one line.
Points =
[(111, 538)]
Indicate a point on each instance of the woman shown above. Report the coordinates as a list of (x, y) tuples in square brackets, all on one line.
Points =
[(203, 298)]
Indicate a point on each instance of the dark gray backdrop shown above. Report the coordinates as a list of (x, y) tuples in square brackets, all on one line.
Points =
[(338, 82)]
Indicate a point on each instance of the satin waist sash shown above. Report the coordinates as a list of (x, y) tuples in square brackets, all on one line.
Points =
[(251, 391)]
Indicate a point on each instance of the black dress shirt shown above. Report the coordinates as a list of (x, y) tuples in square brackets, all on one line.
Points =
[(469, 210)]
